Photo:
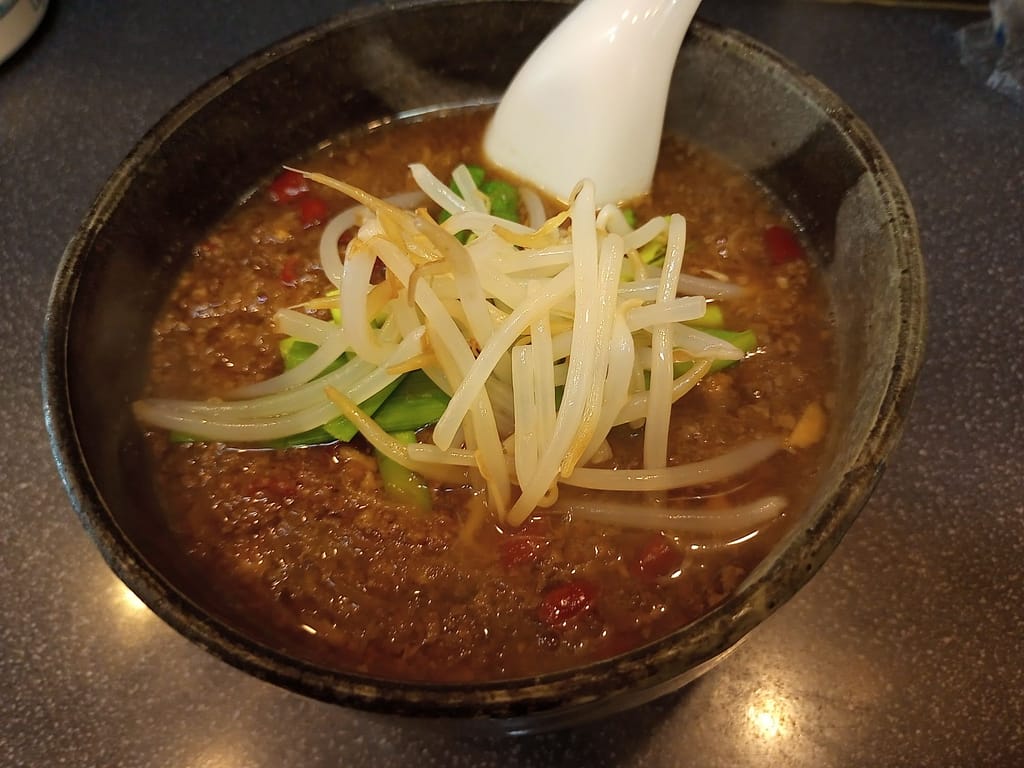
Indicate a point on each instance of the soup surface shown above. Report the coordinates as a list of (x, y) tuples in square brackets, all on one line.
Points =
[(303, 549)]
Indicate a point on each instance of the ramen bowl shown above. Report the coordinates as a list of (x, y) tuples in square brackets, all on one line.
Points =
[(729, 93)]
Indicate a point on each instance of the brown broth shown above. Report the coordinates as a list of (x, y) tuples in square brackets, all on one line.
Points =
[(301, 547)]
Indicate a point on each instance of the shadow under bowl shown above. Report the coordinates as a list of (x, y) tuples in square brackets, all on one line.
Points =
[(730, 94)]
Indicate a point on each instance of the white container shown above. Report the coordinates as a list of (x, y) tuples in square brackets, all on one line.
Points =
[(18, 20)]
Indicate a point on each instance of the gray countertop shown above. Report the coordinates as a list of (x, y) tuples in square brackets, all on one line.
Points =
[(904, 650)]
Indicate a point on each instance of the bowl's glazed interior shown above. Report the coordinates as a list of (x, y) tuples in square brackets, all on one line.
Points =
[(729, 94)]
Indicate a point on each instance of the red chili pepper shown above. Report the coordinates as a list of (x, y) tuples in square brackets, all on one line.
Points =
[(561, 604), (782, 245), (287, 186), (290, 270), (312, 211), (656, 558), (520, 550)]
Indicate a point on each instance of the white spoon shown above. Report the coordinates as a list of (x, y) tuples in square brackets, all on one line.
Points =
[(590, 100)]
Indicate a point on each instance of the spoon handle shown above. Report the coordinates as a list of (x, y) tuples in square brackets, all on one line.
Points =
[(590, 100)]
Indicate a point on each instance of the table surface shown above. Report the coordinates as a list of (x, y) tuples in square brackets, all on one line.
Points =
[(904, 650)]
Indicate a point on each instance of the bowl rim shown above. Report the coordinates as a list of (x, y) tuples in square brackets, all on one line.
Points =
[(692, 647)]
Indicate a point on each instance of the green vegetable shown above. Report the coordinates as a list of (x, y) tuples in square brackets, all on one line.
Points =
[(400, 483), (713, 318), (654, 251), (335, 310), (317, 436), (630, 215), (417, 402), (338, 429), (504, 199), (342, 429), (503, 196), (294, 352), (745, 340), (476, 173), (409, 403)]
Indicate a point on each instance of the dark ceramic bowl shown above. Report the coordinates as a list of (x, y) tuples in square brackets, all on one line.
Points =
[(731, 94)]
